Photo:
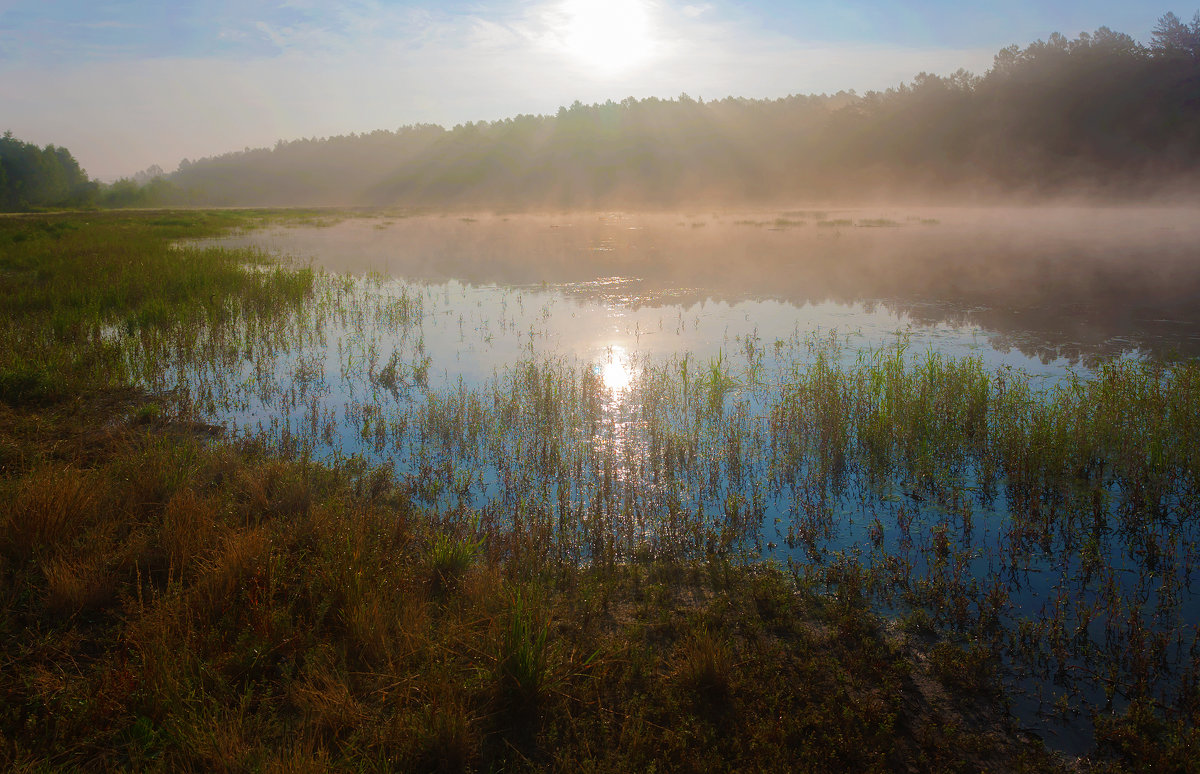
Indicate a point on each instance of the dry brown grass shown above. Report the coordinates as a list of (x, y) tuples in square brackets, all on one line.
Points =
[(151, 474), (243, 555), (301, 756), (219, 741), (74, 585), (159, 637), (445, 739), (190, 531), (49, 507), (370, 628), (273, 489), (704, 664), (327, 703)]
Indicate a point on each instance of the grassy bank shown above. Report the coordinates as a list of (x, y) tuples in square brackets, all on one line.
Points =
[(178, 604), (172, 599)]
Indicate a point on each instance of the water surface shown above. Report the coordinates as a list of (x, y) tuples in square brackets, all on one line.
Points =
[(614, 383), (1054, 283)]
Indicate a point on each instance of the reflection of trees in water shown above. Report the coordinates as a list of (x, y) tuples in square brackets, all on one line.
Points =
[(1080, 336), (1070, 283)]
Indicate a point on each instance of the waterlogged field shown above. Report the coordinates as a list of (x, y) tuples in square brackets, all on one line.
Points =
[(983, 425), (982, 420)]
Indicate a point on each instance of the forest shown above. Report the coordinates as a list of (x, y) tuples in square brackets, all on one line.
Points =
[(1101, 115), (40, 177)]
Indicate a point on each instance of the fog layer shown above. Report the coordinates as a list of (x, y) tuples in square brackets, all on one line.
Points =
[(1076, 283), (1102, 115)]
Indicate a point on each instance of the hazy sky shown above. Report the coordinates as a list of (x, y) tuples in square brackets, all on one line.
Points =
[(128, 83)]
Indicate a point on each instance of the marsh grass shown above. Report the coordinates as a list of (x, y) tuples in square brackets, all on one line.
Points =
[(523, 659), (46, 510), (704, 665), (551, 573), (449, 557)]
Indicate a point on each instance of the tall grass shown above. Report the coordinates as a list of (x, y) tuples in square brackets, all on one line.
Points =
[(381, 571)]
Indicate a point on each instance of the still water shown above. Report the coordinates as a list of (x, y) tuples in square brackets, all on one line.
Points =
[(615, 375), (1023, 287)]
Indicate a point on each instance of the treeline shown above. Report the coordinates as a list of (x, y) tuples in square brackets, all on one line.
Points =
[(33, 177), (1101, 113)]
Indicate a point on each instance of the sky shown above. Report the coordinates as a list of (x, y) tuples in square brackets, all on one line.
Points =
[(125, 84)]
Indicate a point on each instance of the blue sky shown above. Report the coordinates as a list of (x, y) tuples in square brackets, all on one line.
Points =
[(129, 83)]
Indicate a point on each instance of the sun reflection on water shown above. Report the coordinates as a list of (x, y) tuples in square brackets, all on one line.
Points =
[(615, 372)]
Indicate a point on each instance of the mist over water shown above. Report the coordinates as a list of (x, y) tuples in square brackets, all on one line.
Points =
[(1070, 284)]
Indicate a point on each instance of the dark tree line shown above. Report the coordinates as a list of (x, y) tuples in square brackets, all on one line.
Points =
[(40, 177), (1101, 113), (34, 178)]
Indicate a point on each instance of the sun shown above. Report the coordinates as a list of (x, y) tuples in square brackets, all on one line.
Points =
[(608, 36)]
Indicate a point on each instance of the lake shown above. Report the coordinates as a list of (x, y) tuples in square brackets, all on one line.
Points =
[(702, 384)]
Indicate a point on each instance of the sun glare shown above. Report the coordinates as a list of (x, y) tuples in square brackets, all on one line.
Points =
[(609, 36), (615, 372)]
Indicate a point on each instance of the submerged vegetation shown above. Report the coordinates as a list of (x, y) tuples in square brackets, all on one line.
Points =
[(243, 526)]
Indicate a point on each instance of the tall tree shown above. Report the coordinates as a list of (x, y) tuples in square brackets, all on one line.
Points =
[(40, 177), (1172, 36)]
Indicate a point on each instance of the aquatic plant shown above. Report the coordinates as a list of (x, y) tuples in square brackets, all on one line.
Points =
[(438, 527)]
